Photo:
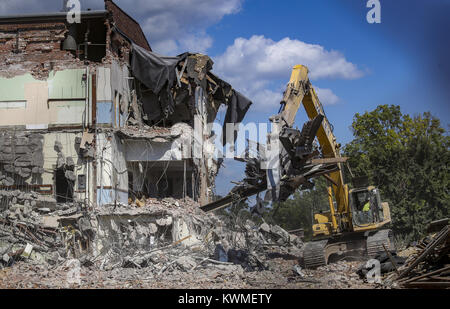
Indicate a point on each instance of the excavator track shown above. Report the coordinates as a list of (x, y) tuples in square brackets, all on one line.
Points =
[(315, 254), (375, 242)]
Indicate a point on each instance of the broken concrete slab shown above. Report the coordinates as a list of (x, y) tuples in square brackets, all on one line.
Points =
[(50, 222), (164, 221)]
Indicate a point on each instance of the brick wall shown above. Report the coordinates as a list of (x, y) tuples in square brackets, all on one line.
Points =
[(34, 48), (127, 25)]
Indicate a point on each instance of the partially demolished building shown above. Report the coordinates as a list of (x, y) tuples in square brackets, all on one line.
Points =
[(88, 112), (91, 117)]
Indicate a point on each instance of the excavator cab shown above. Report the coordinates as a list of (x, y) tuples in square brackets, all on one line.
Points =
[(366, 206), (368, 212)]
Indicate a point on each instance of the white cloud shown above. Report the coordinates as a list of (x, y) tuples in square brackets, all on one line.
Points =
[(266, 100), (326, 96), (264, 58), (252, 65), (175, 26)]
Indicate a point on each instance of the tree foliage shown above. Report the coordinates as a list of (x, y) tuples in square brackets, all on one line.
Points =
[(298, 211), (408, 159)]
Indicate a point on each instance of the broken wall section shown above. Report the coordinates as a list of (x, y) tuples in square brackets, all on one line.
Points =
[(43, 196), (21, 157), (182, 89), (49, 164)]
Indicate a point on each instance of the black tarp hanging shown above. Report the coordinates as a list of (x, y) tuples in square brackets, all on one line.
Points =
[(158, 73), (153, 70), (238, 106)]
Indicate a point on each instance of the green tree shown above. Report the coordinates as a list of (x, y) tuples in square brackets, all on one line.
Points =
[(407, 158)]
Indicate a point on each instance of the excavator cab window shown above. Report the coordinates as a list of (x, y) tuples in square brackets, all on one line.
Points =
[(365, 206), (378, 207)]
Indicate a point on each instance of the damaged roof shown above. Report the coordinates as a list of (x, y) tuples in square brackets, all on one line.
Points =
[(184, 79), (127, 26)]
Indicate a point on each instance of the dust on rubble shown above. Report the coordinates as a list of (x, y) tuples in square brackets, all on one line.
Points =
[(280, 276), (210, 254)]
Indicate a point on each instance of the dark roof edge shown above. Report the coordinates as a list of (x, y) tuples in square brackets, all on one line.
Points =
[(130, 17), (58, 16)]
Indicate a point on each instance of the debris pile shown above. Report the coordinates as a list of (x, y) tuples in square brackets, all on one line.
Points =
[(171, 243), (162, 237), (35, 226), (424, 264), (430, 266), (336, 275), (389, 262), (175, 235)]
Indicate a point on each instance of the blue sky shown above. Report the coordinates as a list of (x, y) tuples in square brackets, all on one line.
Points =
[(394, 73), (254, 43), (397, 56)]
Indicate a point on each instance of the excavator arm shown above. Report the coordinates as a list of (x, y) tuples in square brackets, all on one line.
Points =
[(300, 92), (297, 163)]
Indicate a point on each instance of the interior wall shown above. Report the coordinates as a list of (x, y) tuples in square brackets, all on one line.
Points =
[(58, 100), (112, 173), (160, 179)]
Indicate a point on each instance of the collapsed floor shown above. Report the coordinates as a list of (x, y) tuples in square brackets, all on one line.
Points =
[(171, 243), (165, 243)]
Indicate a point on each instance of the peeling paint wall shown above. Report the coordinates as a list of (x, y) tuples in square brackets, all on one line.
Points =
[(104, 96), (56, 101), (34, 48), (112, 173), (120, 92)]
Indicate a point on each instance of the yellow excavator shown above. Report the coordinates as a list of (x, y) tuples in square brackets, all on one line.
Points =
[(352, 226)]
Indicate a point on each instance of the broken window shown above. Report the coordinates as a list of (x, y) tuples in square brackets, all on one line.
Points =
[(160, 179), (81, 182), (87, 40), (63, 187)]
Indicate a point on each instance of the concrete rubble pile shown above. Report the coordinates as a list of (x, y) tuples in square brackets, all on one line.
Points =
[(175, 235), (339, 275), (35, 226), (167, 243), (165, 236)]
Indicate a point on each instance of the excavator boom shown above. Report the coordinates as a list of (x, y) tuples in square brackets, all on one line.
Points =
[(300, 92), (339, 234)]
